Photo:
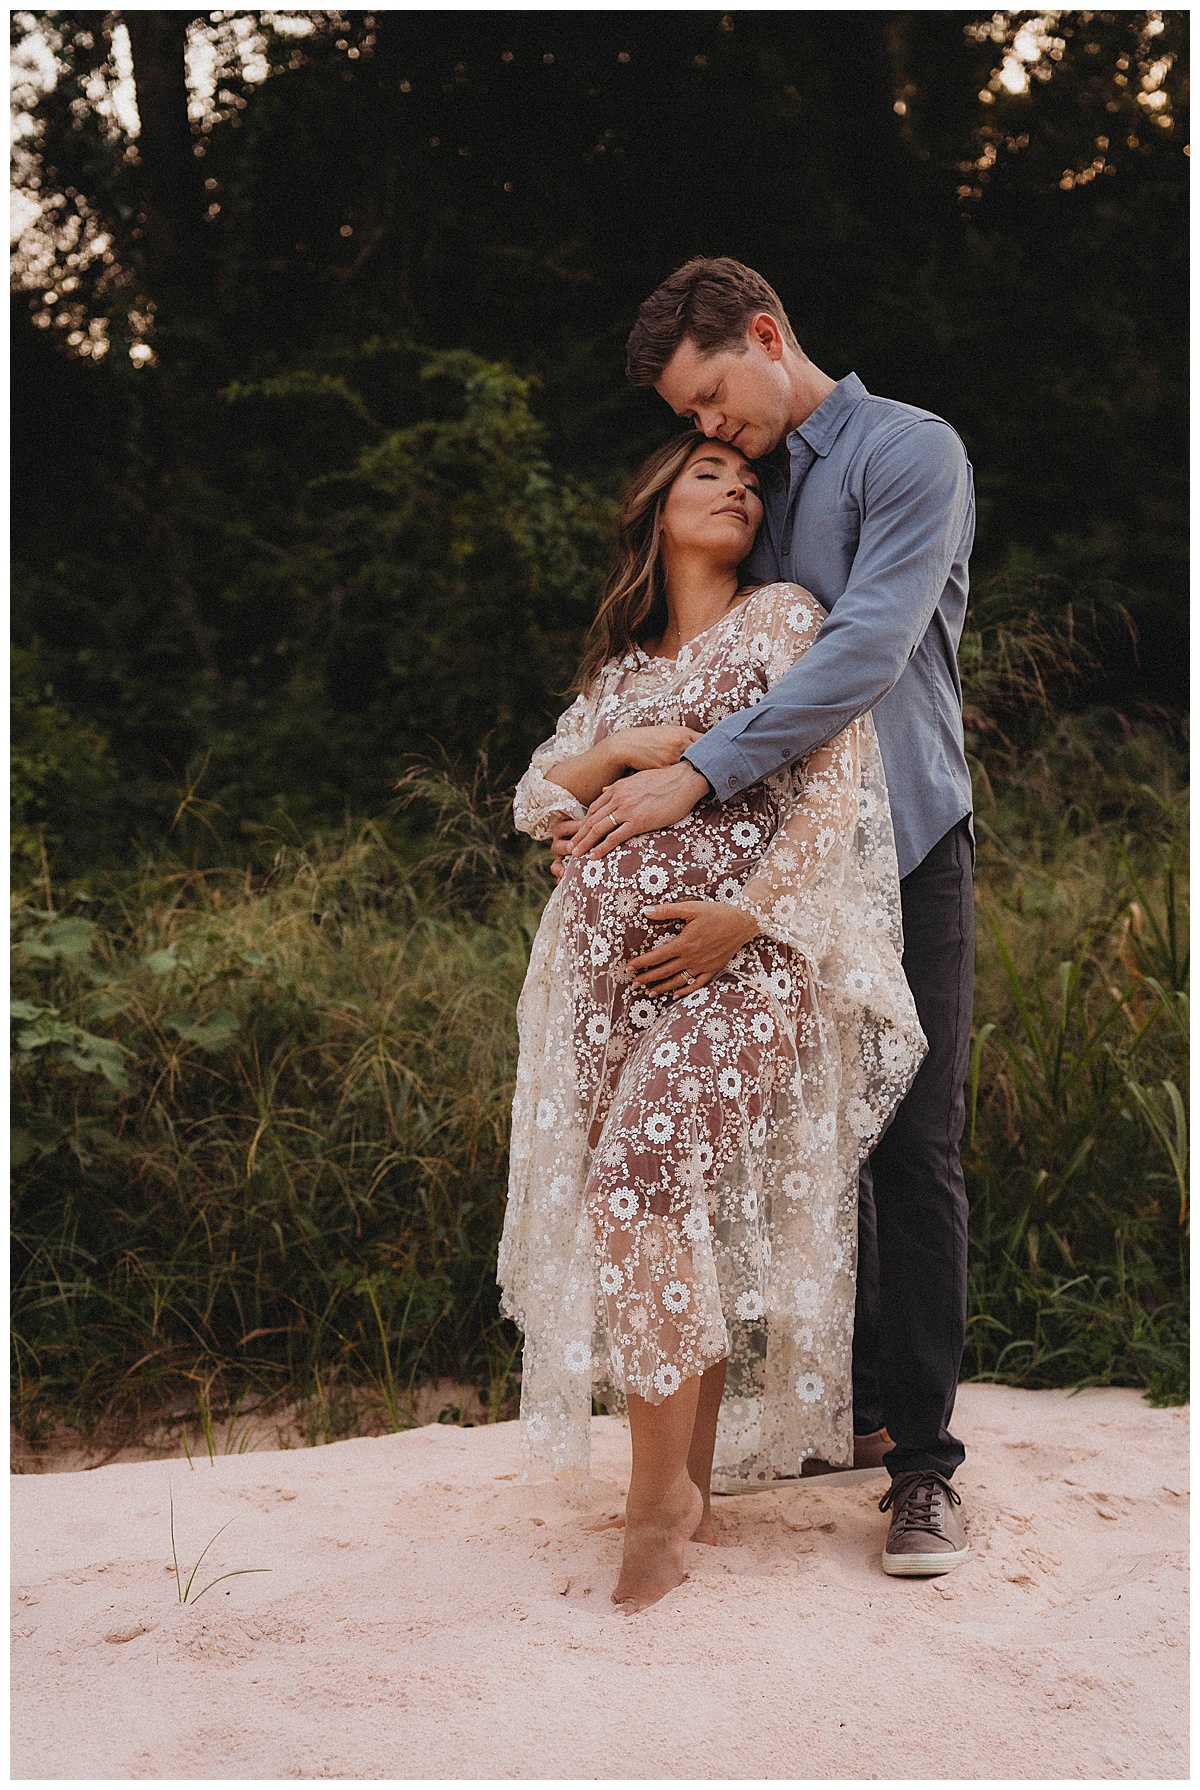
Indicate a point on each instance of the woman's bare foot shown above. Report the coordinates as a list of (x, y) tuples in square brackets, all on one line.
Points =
[(656, 1539), (705, 1530)]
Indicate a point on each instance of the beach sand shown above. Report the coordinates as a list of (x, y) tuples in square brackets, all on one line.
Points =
[(426, 1616)]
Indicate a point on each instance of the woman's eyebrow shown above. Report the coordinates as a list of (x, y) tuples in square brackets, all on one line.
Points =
[(719, 460)]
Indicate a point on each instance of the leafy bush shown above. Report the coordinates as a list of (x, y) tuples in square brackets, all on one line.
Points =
[(261, 1123)]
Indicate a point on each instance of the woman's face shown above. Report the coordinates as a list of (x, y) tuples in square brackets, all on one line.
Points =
[(714, 507)]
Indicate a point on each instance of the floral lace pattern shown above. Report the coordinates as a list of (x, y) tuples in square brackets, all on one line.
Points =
[(683, 1174)]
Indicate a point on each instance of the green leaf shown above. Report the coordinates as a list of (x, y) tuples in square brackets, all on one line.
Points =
[(208, 1033)]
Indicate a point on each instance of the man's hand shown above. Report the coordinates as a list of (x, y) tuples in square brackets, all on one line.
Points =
[(560, 843), (640, 803), (713, 933)]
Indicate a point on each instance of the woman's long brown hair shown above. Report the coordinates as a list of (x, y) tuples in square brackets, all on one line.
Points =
[(633, 603)]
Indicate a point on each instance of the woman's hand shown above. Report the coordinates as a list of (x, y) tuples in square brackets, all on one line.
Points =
[(652, 748), (713, 933)]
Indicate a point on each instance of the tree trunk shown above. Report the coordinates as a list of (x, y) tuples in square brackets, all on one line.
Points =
[(172, 181)]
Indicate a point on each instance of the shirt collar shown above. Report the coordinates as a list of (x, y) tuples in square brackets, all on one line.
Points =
[(823, 427)]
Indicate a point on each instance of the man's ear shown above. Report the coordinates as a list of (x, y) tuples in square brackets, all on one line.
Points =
[(766, 334)]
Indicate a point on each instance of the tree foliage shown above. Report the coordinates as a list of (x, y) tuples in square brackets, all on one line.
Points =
[(319, 325)]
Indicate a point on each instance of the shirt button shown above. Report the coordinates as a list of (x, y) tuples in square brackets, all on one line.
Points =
[(787, 543), (733, 783)]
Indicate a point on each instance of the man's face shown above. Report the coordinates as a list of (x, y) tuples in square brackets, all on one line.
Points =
[(739, 395)]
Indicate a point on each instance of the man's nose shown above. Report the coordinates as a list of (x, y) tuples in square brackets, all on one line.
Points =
[(710, 422)]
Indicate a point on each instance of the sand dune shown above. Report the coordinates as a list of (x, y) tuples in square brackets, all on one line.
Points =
[(426, 1616)]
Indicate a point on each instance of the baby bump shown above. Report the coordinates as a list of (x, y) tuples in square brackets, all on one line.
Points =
[(707, 857)]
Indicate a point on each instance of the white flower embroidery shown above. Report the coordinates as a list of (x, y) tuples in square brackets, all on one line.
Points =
[(826, 840), (859, 982), (781, 983), (666, 1379), (809, 1388), (761, 1028), (598, 1028), (729, 890), (826, 1127), (797, 1184), (758, 1131), (760, 647), (745, 833), (666, 1053), (547, 1115), (653, 879), (593, 872), (695, 1226), (689, 1088), (860, 1118), (660, 1128), (808, 1298), (641, 1013), (676, 1296), (611, 1278), (750, 1204), (558, 1190), (704, 1157), (601, 949), (622, 1202), (578, 1357), (749, 1306), (730, 1083)]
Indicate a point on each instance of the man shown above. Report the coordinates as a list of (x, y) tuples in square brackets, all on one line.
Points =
[(869, 505)]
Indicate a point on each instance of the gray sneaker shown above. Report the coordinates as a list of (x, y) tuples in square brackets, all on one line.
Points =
[(926, 1534)]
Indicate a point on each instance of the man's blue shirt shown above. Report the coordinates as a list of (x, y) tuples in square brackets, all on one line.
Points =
[(878, 524)]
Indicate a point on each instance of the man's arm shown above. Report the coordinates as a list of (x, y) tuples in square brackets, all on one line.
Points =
[(917, 504), (917, 493)]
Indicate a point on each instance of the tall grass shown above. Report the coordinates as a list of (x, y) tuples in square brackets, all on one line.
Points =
[(1076, 1149), (261, 1112), (261, 1124)]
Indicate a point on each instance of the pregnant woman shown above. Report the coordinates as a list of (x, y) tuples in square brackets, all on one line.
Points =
[(692, 1105)]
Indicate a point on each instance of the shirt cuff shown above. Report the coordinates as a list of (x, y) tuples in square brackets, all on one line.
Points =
[(725, 767)]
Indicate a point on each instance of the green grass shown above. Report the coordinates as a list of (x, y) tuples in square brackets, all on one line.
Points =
[(261, 1111)]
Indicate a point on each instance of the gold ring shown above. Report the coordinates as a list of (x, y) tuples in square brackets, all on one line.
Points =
[(687, 977)]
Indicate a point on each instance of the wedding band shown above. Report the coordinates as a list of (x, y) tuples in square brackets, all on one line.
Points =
[(687, 978), (613, 821)]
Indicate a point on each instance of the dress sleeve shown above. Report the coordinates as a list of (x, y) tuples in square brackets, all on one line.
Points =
[(538, 802), (818, 797)]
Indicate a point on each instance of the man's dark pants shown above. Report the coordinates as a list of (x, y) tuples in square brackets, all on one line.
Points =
[(911, 1309)]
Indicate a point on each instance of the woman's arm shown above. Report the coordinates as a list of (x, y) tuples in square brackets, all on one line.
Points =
[(629, 749)]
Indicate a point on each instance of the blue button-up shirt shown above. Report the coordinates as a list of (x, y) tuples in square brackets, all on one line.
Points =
[(877, 522)]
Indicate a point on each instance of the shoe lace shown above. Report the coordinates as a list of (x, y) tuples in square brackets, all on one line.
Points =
[(914, 1497)]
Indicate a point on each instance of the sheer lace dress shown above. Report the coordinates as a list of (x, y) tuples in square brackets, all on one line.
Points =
[(683, 1176)]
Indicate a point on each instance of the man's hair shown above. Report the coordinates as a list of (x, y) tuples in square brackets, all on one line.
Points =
[(710, 301)]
